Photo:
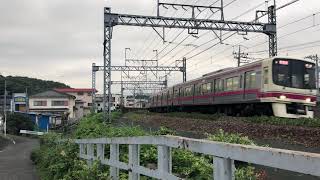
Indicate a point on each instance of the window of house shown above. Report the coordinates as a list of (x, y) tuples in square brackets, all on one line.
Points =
[(39, 103), (59, 103), (89, 104)]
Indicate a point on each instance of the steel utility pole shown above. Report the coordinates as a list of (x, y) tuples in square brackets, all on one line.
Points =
[(5, 106), (93, 81), (192, 24)]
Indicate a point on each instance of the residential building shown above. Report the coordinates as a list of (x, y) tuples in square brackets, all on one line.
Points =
[(138, 101), (8, 103), (116, 99), (19, 102), (53, 102), (83, 99)]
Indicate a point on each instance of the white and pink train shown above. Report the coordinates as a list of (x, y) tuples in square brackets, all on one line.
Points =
[(283, 87)]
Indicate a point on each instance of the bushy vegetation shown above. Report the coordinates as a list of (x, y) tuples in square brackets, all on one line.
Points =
[(17, 122), (58, 160), (18, 84)]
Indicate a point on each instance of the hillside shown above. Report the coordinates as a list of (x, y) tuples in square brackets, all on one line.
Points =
[(18, 84)]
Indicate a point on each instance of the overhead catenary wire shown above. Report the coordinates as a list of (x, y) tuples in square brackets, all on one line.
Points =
[(178, 35), (288, 25)]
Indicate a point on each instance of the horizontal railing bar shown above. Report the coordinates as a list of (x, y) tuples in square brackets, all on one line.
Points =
[(136, 169), (302, 162)]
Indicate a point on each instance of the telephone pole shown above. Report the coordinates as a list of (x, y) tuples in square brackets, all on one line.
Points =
[(5, 107), (240, 56)]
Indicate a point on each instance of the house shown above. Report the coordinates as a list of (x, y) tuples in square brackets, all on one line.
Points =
[(19, 102), (116, 99), (83, 99), (8, 103), (53, 102)]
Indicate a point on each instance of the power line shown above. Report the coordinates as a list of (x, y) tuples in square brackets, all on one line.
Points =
[(312, 15), (190, 35), (257, 35), (179, 35)]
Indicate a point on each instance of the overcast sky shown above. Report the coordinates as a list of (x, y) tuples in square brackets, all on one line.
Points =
[(60, 39)]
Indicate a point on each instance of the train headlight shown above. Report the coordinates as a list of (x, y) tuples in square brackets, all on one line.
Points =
[(308, 100), (283, 97)]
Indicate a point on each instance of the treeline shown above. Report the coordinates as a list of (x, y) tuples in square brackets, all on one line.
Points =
[(18, 84)]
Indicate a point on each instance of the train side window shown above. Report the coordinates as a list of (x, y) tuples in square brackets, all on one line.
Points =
[(216, 85), (250, 79), (235, 83), (266, 75), (229, 84), (222, 85), (198, 89), (209, 87), (203, 88), (232, 83)]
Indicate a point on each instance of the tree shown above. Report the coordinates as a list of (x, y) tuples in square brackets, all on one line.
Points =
[(18, 84), (17, 122)]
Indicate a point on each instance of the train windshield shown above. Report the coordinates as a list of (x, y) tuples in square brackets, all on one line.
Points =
[(294, 73)]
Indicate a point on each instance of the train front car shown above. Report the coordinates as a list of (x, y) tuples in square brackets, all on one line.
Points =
[(290, 86)]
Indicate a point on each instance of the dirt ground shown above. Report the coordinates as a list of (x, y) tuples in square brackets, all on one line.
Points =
[(3, 143), (304, 136), (15, 163)]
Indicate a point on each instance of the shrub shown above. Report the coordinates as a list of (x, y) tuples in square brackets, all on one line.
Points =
[(58, 160), (17, 122)]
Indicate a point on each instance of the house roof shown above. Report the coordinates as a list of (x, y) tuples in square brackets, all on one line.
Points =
[(52, 94), (71, 90)]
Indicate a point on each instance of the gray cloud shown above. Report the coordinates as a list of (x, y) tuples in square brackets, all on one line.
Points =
[(58, 39)]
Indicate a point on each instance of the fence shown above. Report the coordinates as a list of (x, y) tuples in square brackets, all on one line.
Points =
[(32, 132), (223, 162)]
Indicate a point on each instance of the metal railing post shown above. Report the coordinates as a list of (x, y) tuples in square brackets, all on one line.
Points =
[(81, 150), (223, 169), (114, 156), (90, 154), (134, 161), (164, 159), (100, 151)]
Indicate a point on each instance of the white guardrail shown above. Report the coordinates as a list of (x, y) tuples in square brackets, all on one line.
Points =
[(223, 161), (32, 132)]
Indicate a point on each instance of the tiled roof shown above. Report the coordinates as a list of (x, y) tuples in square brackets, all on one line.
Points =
[(51, 94), (70, 90)]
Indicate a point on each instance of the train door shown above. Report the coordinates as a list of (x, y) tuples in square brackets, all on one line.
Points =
[(180, 96), (250, 85), (246, 84), (193, 92)]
